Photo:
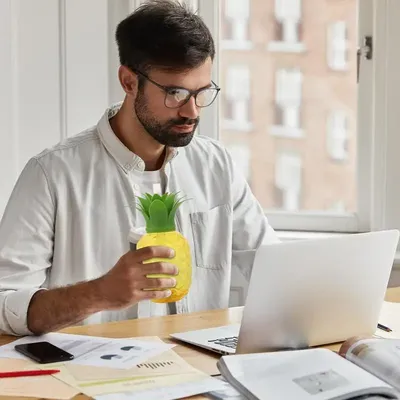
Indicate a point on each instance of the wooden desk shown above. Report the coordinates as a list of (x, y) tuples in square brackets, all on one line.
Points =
[(163, 326)]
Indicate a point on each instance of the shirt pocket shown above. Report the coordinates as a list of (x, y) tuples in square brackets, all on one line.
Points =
[(212, 237)]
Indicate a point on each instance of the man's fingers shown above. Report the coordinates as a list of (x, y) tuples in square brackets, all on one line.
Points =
[(160, 268), (155, 294), (159, 283), (146, 253)]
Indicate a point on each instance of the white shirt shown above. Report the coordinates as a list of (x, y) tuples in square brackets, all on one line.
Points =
[(72, 208)]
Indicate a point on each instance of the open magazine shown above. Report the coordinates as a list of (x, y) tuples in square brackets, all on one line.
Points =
[(363, 369)]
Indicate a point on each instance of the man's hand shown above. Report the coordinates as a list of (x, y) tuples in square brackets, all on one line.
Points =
[(127, 283), (124, 285)]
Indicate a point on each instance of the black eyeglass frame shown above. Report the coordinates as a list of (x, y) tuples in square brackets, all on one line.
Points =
[(191, 93)]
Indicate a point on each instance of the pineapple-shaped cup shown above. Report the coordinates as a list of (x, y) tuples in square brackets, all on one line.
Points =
[(159, 214)]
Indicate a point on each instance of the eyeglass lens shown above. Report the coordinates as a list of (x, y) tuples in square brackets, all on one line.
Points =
[(177, 97)]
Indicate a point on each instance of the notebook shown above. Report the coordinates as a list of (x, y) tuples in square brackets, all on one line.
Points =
[(364, 367)]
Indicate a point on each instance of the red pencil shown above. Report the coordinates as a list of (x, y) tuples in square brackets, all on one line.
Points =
[(37, 372)]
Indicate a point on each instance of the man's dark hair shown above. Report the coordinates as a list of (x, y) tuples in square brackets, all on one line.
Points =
[(163, 34)]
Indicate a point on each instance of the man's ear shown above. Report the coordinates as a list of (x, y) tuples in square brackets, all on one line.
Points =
[(128, 80)]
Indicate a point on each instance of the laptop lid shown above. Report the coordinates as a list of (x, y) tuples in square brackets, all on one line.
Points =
[(312, 292)]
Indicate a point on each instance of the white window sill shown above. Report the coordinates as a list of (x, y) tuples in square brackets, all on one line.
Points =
[(286, 47), (241, 126), (286, 132), (299, 235), (304, 235), (236, 45)]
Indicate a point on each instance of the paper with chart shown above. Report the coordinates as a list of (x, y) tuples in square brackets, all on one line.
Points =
[(179, 391), (167, 363), (163, 370), (95, 351)]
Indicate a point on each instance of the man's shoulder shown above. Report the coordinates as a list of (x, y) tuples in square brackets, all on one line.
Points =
[(70, 147)]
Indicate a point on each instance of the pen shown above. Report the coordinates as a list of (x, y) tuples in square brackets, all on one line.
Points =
[(18, 374), (384, 328)]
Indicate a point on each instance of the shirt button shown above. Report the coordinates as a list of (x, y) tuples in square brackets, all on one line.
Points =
[(141, 165), (136, 187)]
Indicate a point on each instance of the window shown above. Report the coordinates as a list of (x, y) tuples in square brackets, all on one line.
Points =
[(288, 87), (235, 24), (241, 157), (366, 183), (286, 100), (287, 27), (337, 46), (288, 180), (337, 136), (237, 98)]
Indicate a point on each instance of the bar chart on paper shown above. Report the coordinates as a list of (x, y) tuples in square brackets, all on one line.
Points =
[(156, 365)]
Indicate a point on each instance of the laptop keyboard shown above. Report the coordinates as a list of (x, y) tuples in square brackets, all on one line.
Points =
[(230, 342)]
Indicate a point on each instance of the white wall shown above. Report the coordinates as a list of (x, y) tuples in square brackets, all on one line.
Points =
[(58, 72)]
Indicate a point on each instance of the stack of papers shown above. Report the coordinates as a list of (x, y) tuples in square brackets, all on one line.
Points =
[(165, 371), (123, 368)]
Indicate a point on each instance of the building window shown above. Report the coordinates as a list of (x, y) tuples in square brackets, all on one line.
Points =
[(338, 136), (235, 30), (337, 47), (237, 99), (288, 88), (241, 156), (288, 168), (287, 27)]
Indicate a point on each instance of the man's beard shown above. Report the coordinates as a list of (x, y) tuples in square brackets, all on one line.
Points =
[(162, 132)]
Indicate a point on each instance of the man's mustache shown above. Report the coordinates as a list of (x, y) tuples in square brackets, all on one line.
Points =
[(184, 121)]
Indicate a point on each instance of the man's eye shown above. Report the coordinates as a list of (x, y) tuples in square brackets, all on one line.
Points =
[(178, 94), (173, 91)]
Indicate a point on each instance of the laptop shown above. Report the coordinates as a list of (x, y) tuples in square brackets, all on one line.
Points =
[(307, 293)]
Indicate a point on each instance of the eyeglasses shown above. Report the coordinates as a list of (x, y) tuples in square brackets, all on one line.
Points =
[(176, 97)]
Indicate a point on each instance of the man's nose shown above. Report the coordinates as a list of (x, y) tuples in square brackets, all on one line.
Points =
[(189, 110)]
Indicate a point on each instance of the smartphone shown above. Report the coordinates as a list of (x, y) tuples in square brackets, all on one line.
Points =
[(43, 352)]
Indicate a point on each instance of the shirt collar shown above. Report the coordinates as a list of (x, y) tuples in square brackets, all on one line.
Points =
[(126, 158)]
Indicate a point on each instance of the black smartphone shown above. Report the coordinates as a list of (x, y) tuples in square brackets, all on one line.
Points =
[(43, 352)]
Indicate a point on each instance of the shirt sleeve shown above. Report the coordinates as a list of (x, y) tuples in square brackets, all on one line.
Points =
[(250, 225), (26, 246)]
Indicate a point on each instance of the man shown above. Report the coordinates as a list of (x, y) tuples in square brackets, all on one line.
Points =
[(64, 251)]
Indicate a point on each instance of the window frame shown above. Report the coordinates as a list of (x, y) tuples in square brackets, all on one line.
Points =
[(238, 124), (333, 50), (282, 104), (335, 133), (281, 44), (233, 43), (371, 19), (290, 158)]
